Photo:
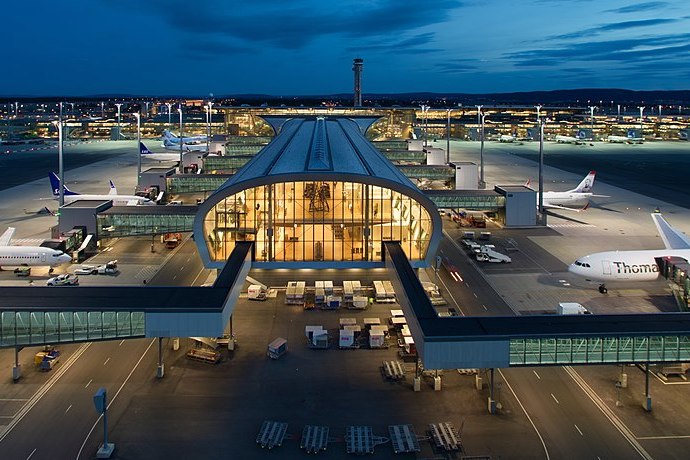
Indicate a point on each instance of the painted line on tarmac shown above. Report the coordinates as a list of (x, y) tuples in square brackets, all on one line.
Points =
[(543, 444), (43, 390), (112, 400), (608, 413)]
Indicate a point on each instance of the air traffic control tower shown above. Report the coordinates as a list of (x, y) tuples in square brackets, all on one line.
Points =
[(357, 65), (320, 195)]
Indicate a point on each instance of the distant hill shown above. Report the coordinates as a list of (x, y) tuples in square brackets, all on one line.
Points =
[(579, 97)]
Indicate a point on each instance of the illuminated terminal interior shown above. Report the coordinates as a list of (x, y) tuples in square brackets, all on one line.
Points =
[(320, 192), (318, 221)]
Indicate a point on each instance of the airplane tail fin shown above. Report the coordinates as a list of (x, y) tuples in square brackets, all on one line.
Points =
[(673, 239), (143, 150), (55, 186), (586, 184), (168, 135), (113, 189)]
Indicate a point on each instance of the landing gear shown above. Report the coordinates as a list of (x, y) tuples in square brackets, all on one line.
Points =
[(602, 289)]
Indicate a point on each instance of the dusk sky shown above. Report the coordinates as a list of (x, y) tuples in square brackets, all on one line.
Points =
[(283, 47)]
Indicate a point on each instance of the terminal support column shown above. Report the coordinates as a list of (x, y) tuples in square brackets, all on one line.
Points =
[(492, 402), (160, 370), (269, 229), (647, 396), (17, 369), (366, 222)]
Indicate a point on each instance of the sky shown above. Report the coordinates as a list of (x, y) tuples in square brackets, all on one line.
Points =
[(306, 47)]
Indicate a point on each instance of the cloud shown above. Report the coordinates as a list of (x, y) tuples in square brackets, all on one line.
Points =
[(666, 48), (458, 66), (616, 26), (402, 46), (639, 7), (294, 24), (202, 50)]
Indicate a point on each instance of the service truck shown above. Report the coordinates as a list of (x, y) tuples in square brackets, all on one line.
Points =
[(572, 308)]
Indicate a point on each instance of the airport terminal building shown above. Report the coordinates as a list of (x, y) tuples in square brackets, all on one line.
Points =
[(319, 196)]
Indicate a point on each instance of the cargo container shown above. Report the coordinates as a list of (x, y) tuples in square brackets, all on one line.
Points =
[(277, 348)]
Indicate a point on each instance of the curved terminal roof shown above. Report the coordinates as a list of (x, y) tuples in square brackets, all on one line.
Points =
[(334, 146)]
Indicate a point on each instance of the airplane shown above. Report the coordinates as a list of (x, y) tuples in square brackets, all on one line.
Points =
[(640, 265), (629, 139), (578, 139), (118, 200), (569, 200), (185, 147), (146, 154), (29, 256), (507, 138), (173, 139)]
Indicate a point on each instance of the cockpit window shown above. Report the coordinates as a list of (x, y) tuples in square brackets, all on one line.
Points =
[(582, 264)]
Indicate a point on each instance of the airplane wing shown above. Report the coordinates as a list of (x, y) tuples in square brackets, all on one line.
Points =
[(6, 237), (673, 239), (132, 202)]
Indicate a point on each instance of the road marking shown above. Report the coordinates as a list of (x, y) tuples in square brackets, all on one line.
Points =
[(182, 268), (467, 284), (652, 438), (87, 385), (554, 398), (475, 295), (44, 389), (93, 427), (578, 430), (485, 309), (31, 454), (106, 361), (14, 399), (174, 276), (608, 413), (546, 451), (123, 341), (535, 373), (451, 296), (67, 410), (197, 276)]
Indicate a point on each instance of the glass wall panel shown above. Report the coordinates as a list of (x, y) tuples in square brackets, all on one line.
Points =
[(124, 325), (95, 321), (109, 325), (51, 326), (66, 326), (138, 323), (318, 221), (7, 331), (23, 327), (81, 325)]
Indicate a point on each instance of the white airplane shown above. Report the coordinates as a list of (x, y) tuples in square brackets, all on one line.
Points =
[(29, 256), (146, 154), (118, 200), (639, 265), (577, 139), (173, 139), (185, 147), (576, 199), (629, 139)]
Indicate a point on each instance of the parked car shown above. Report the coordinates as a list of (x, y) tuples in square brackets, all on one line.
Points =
[(63, 280), (86, 270)]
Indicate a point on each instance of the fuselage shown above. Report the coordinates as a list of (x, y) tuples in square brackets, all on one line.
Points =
[(32, 256), (118, 200), (623, 265), (566, 198)]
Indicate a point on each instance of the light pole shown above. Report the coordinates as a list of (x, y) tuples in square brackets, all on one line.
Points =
[(137, 115), (482, 184), (179, 109), (147, 108), (659, 112), (538, 107), (118, 121), (479, 114), (619, 112), (448, 137), (591, 119), (61, 171), (73, 113), (641, 115), (208, 134), (541, 175), (425, 109), (169, 104), (102, 109)]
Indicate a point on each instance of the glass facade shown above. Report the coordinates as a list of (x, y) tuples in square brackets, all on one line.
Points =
[(317, 221), (599, 350), (118, 225), (41, 327)]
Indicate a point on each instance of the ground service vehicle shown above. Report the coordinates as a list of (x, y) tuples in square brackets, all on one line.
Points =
[(63, 280)]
